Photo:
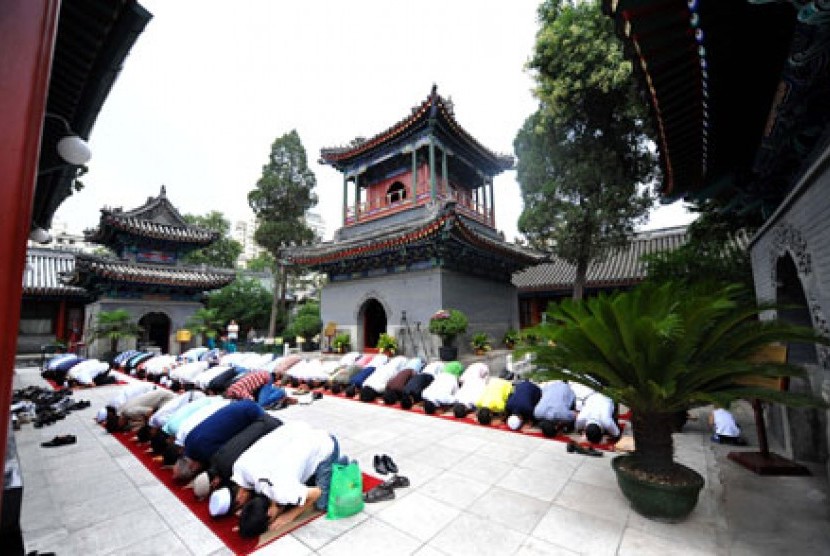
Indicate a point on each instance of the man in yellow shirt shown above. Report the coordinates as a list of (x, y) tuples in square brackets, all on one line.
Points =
[(493, 400)]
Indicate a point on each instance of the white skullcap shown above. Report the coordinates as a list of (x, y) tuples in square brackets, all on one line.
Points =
[(201, 485), (514, 422), (102, 415), (220, 502)]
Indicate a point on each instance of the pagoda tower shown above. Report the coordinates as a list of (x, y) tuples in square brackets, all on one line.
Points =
[(418, 235), (147, 277)]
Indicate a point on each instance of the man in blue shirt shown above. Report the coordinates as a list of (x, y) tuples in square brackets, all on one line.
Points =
[(555, 411), (209, 435)]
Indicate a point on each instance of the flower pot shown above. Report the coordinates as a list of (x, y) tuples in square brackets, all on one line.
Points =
[(665, 500), (480, 352), (448, 353)]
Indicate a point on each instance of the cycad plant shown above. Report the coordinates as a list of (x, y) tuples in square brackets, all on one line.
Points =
[(662, 348), (115, 326), (205, 322)]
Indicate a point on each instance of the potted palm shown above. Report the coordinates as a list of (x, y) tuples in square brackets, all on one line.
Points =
[(342, 342), (660, 349), (447, 324), (387, 344), (115, 326), (205, 323), (511, 336), (480, 343)]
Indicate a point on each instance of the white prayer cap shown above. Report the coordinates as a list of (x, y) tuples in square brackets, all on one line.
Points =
[(201, 485), (220, 502), (514, 422), (102, 415)]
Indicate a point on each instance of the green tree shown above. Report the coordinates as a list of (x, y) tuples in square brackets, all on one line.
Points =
[(223, 252), (115, 326), (280, 200), (307, 322), (583, 157), (244, 300), (263, 261), (206, 323)]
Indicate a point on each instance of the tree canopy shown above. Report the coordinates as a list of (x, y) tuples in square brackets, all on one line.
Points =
[(280, 201), (224, 251), (244, 300), (584, 158)]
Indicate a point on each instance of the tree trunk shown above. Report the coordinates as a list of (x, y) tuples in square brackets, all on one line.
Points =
[(579, 279), (283, 288), (272, 321), (653, 443)]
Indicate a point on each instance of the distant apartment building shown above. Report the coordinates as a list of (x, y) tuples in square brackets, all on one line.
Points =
[(243, 232)]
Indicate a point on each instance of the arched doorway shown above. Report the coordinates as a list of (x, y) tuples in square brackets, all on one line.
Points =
[(374, 322), (805, 426), (156, 331)]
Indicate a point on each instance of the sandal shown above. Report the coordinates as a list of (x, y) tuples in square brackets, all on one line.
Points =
[(380, 493)]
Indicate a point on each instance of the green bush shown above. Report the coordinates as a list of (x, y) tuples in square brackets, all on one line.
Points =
[(448, 323)]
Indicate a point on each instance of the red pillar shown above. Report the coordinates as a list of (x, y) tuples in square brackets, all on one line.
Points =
[(27, 29), (60, 326)]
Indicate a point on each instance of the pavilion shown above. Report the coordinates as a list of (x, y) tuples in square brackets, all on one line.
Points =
[(418, 235)]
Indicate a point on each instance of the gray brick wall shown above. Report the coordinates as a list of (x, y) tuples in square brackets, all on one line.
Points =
[(490, 306), (802, 232)]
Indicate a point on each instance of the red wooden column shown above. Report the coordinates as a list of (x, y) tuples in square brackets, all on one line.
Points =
[(60, 326), (27, 39)]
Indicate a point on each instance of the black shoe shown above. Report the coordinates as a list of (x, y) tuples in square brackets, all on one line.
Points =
[(380, 465), (380, 493), (389, 464), (60, 441)]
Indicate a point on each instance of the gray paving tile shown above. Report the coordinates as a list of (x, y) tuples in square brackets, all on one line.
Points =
[(455, 489), (544, 485), (584, 533), (322, 531), (608, 504), (537, 547), (284, 546), (119, 532), (162, 544), (372, 537), (418, 515), (471, 534), (515, 511)]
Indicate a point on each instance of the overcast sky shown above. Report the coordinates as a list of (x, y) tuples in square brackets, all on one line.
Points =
[(210, 84)]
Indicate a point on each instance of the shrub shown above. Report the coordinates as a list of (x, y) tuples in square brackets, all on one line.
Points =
[(448, 323)]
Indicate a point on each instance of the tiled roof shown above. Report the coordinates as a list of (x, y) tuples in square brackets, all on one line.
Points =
[(435, 226), (155, 219), (43, 270), (433, 107), (90, 269), (620, 268)]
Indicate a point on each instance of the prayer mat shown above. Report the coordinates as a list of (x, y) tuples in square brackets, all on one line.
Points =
[(497, 423), (224, 526)]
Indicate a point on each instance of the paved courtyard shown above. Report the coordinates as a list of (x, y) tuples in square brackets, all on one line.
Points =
[(474, 491)]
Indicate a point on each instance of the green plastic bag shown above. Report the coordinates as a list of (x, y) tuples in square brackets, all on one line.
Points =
[(346, 491)]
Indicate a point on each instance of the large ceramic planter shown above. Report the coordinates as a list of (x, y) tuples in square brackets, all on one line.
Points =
[(668, 502), (448, 353)]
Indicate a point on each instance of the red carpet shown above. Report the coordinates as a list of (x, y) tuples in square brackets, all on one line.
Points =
[(497, 424), (221, 527)]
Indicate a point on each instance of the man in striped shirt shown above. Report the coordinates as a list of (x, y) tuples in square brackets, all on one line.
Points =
[(257, 386)]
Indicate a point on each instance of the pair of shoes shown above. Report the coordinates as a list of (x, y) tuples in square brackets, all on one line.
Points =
[(383, 464), (574, 448), (60, 441), (380, 493), (397, 481), (83, 404)]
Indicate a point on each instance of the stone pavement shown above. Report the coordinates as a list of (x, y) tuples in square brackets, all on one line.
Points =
[(474, 491)]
